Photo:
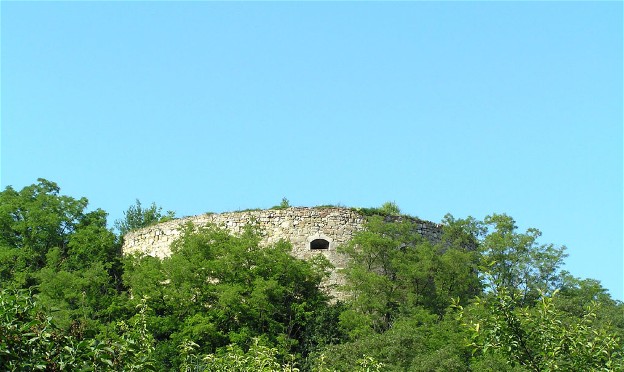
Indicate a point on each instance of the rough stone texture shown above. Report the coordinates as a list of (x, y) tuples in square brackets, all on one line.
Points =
[(298, 225)]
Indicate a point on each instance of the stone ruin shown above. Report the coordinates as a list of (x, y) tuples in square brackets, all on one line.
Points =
[(311, 231)]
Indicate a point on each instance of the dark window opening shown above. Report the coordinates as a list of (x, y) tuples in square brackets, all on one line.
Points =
[(319, 244)]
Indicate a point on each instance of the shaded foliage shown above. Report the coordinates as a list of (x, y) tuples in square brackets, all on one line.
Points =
[(420, 341), (30, 340)]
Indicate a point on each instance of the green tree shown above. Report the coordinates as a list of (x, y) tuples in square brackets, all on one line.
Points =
[(217, 289), (420, 341), (30, 340), (50, 244), (80, 298), (284, 204), (233, 358), (33, 221), (517, 262), (575, 294), (541, 337), (390, 208), (393, 269), (136, 217)]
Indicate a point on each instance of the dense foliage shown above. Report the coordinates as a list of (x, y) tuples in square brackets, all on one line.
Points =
[(482, 297), (218, 289)]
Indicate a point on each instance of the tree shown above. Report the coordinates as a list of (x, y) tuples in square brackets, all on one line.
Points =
[(390, 208), (393, 270), (30, 340), (233, 358), (575, 294), (284, 204), (136, 217), (217, 289), (40, 228), (66, 255), (420, 341), (33, 221), (517, 262), (540, 337)]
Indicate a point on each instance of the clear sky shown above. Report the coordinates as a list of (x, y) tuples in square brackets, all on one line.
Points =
[(470, 108)]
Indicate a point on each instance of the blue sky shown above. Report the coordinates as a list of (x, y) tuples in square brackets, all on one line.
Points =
[(470, 108)]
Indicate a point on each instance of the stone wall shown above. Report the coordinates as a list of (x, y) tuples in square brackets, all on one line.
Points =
[(300, 226)]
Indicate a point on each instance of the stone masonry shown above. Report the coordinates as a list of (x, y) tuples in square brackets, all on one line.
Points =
[(311, 231)]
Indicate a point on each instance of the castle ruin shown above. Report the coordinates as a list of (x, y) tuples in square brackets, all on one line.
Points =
[(311, 231)]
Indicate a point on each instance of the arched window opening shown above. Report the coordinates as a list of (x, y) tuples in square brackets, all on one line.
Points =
[(319, 244)]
